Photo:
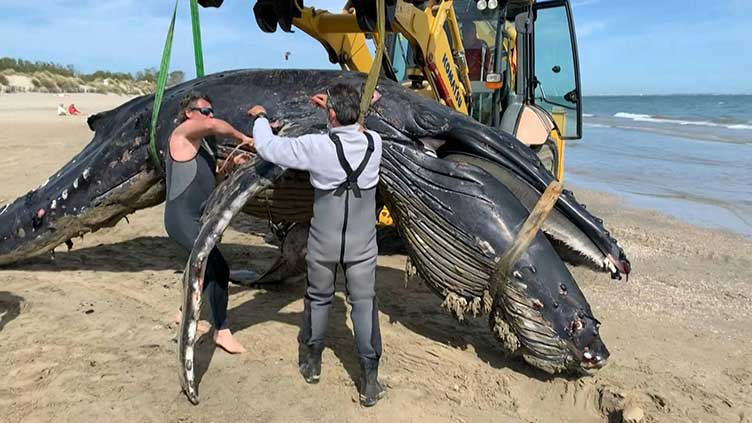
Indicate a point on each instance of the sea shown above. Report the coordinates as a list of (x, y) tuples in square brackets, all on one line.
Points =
[(689, 156)]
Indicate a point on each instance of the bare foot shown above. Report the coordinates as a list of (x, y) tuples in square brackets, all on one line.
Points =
[(224, 339)]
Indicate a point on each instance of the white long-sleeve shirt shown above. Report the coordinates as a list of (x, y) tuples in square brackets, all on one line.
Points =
[(317, 154)]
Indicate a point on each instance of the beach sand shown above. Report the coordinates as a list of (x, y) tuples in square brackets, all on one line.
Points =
[(88, 337)]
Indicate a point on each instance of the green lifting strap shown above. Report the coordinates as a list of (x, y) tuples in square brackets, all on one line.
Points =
[(373, 75), (163, 73), (197, 51)]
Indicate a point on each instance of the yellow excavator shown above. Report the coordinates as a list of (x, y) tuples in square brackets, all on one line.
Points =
[(510, 64)]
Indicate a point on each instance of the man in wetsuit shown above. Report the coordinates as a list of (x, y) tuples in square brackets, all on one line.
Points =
[(191, 171), (344, 171)]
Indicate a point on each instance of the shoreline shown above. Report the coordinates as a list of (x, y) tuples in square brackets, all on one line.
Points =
[(700, 182), (631, 202), (89, 335)]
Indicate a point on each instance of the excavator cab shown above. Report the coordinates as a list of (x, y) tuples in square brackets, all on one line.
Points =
[(554, 83), (522, 68)]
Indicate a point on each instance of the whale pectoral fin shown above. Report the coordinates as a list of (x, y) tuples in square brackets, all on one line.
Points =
[(291, 263), (225, 202), (571, 243)]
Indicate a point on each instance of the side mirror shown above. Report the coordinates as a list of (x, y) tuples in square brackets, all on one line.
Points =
[(571, 96)]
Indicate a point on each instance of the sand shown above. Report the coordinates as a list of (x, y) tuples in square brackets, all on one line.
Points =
[(88, 336)]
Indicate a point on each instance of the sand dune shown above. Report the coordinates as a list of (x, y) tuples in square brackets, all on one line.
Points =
[(88, 336)]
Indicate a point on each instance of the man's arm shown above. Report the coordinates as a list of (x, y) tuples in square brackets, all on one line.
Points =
[(295, 153), (196, 130)]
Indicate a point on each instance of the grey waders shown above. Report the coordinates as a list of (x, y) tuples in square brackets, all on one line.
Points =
[(343, 233)]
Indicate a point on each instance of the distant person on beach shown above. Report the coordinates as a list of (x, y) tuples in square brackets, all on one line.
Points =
[(60, 110), (191, 169), (73, 111)]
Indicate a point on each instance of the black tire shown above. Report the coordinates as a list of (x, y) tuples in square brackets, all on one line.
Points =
[(548, 155)]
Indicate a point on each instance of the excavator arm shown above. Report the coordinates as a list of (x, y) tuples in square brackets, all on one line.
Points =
[(437, 51)]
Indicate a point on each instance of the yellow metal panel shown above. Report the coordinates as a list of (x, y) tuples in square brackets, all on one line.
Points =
[(350, 47), (423, 29), (385, 219), (560, 154), (425, 32)]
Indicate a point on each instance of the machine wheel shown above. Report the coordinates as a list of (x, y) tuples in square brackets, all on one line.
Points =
[(548, 155)]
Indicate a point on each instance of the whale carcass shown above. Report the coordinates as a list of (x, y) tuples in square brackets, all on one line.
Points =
[(457, 207)]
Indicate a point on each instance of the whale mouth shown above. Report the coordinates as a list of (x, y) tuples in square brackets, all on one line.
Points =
[(592, 361), (40, 227), (617, 267)]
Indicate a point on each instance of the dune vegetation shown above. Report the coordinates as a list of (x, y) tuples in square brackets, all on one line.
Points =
[(19, 75)]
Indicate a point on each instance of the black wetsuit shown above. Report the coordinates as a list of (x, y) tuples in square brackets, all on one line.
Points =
[(189, 185)]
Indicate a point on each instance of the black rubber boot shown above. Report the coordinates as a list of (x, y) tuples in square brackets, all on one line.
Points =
[(371, 390), (310, 366)]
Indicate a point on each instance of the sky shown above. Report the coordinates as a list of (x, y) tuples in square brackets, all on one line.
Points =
[(625, 46)]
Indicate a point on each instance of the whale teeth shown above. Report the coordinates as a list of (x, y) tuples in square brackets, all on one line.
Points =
[(75, 183), (86, 174), (65, 194), (53, 205)]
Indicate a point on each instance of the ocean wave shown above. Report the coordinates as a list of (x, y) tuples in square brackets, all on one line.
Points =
[(648, 118)]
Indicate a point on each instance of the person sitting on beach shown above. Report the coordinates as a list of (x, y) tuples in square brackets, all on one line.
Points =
[(60, 110), (191, 169), (73, 111)]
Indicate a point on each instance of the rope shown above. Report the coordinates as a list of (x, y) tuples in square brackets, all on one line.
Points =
[(525, 236)]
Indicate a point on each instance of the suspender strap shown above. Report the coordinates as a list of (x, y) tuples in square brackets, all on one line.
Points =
[(367, 157), (351, 183)]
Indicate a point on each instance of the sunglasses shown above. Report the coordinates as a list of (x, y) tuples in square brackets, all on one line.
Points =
[(328, 99), (206, 111)]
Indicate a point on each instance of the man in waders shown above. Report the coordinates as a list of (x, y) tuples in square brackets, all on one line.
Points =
[(344, 172), (191, 170)]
